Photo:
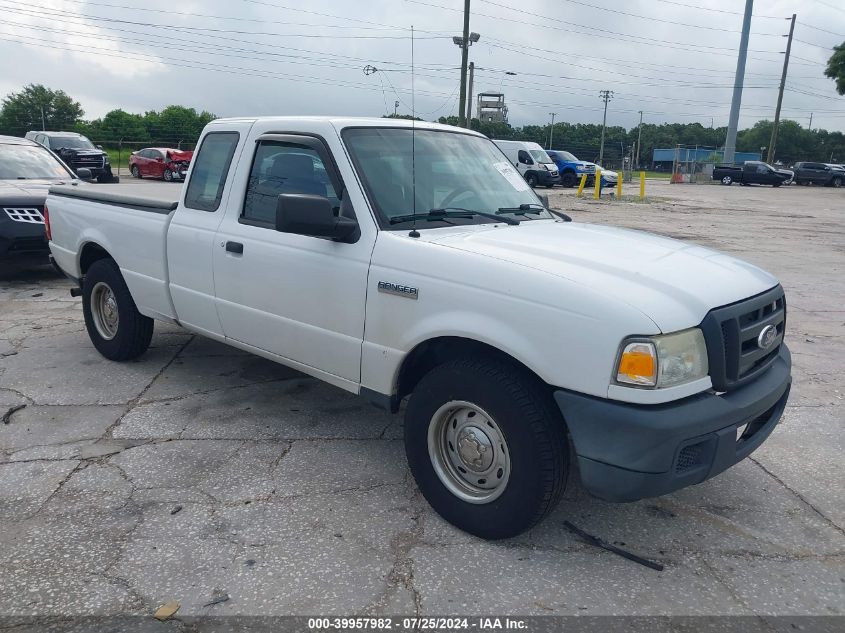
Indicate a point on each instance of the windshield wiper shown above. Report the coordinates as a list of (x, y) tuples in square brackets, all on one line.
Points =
[(528, 207), (433, 215)]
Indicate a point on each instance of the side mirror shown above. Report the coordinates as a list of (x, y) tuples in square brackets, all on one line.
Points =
[(306, 214), (83, 173), (99, 147)]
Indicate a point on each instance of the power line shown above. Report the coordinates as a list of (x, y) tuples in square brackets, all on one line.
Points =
[(650, 18), (698, 7)]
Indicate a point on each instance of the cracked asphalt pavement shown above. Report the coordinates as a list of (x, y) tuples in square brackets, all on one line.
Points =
[(199, 470)]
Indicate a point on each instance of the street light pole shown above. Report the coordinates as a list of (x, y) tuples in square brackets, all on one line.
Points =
[(464, 56), (552, 131), (736, 101), (395, 109), (607, 95)]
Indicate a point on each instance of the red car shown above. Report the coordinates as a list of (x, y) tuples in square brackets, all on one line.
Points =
[(160, 162)]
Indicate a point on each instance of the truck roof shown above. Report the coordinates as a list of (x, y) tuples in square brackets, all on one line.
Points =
[(344, 122)]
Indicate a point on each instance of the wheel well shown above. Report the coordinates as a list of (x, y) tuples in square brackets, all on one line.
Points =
[(427, 355), (91, 252)]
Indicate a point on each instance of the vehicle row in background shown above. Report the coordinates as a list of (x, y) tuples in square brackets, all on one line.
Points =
[(160, 162), (752, 172), (27, 171), (807, 173), (77, 152)]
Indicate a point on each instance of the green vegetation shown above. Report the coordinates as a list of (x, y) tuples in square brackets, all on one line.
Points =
[(178, 126), (836, 68)]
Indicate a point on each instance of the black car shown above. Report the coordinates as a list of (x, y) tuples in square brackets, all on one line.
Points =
[(27, 170), (77, 151), (807, 173)]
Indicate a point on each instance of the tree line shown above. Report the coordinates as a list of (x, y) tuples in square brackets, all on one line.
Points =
[(35, 106)]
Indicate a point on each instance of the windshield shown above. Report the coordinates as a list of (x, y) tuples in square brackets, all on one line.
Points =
[(72, 142), (540, 156), (453, 170), (18, 162), (566, 156)]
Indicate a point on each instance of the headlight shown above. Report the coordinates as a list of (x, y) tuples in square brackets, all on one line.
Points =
[(580, 168), (663, 361)]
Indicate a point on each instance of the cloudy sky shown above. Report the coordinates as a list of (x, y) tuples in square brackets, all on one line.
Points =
[(671, 59)]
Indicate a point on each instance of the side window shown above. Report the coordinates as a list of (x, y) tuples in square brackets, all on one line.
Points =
[(211, 166), (155, 154), (523, 157), (762, 169), (281, 167)]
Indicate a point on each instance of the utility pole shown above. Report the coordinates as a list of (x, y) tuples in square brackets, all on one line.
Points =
[(639, 138), (464, 44), (552, 131), (736, 101), (396, 108), (606, 95), (43, 124), (774, 140), (469, 93), (811, 122)]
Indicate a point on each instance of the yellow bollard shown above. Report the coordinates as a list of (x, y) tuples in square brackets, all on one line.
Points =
[(597, 190), (581, 186), (642, 185), (619, 186)]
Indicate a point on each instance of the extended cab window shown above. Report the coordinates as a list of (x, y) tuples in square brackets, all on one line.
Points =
[(211, 166), (281, 167)]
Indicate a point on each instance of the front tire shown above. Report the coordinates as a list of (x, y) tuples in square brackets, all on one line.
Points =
[(115, 327), (531, 179), (568, 179), (487, 446), (727, 181), (168, 175)]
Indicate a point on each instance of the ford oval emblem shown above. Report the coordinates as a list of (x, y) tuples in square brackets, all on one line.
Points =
[(767, 337)]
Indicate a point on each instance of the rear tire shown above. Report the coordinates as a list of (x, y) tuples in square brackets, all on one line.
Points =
[(116, 328), (487, 446), (136, 173), (836, 182)]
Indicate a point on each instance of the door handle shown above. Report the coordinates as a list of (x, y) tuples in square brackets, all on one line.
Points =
[(235, 247)]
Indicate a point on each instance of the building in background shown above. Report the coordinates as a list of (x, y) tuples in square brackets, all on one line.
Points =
[(491, 107)]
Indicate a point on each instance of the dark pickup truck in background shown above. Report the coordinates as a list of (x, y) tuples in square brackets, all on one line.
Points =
[(77, 152), (752, 173), (807, 173)]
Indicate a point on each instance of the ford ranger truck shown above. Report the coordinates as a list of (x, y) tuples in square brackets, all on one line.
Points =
[(411, 262)]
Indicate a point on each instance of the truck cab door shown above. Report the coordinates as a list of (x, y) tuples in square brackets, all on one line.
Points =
[(193, 229), (296, 297)]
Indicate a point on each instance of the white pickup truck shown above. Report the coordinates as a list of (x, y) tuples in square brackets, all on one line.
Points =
[(398, 261)]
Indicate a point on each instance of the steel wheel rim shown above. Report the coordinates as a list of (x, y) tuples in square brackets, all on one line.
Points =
[(104, 310), (468, 452), (726, 180)]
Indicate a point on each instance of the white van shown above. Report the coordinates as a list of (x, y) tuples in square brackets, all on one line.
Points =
[(532, 162)]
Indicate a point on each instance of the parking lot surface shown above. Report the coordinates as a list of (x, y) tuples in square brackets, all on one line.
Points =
[(199, 470)]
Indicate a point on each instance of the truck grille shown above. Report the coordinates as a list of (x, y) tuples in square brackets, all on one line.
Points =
[(30, 215), (88, 161), (735, 353)]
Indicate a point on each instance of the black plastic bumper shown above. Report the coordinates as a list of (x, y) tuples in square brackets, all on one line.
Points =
[(21, 239), (545, 178), (628, 452)]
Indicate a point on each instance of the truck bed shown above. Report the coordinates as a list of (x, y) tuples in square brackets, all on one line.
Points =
[(139, 196), (130, 223)]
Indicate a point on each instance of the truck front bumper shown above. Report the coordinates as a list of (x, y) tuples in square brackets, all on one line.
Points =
[(627, 452)]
